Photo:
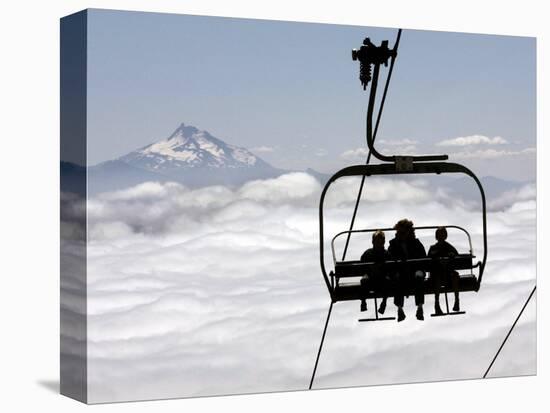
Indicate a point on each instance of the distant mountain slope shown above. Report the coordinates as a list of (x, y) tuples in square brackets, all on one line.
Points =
[(466, 188), (188, 148), (115, 175), (189, 156)]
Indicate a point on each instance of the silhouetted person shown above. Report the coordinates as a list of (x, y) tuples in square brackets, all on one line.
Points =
[(376, 277), (439, 273), (406, 246)]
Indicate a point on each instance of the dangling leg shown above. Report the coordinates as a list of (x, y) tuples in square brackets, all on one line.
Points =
[(382, 307), (364, 281), (383, 286), (399, 298), (321, 345), (455, 281), (436, 275), (419, 293)]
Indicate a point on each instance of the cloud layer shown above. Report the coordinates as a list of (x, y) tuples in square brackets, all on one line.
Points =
[(477, 148), (473, 140), (218, 291), (262, 149), (357, 154), (403, 147), (493, 153)]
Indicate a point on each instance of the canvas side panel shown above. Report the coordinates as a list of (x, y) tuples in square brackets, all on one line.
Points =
[(73, 356)]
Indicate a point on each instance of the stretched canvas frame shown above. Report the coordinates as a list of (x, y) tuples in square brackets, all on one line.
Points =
[(190, 264)]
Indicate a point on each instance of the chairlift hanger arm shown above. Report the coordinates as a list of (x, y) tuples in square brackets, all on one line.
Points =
[(371, 55)]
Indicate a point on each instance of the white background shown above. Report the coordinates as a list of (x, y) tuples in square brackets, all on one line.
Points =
[(29, 134)]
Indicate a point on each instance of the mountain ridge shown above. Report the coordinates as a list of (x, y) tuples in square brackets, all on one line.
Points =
[(189, 156), (189, 147)]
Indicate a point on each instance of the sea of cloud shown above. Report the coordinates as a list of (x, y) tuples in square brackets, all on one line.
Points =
[(218, 291)]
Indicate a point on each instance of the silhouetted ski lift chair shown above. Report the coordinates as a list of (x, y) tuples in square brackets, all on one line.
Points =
[(370, 55), (351, 269), (344, 271)]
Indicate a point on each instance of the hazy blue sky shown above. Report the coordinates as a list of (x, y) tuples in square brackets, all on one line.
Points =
[(290, 91)]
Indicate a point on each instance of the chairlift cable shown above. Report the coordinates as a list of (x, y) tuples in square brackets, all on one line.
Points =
[(379, 116), (321, 346), (510, 331)]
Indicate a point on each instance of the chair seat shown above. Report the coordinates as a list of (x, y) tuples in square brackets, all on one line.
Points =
[(345, 291)]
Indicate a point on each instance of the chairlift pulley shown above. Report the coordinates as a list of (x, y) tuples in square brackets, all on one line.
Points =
[(369, 54)]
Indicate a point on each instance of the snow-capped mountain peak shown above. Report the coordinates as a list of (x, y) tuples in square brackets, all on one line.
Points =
[(189, 147)]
